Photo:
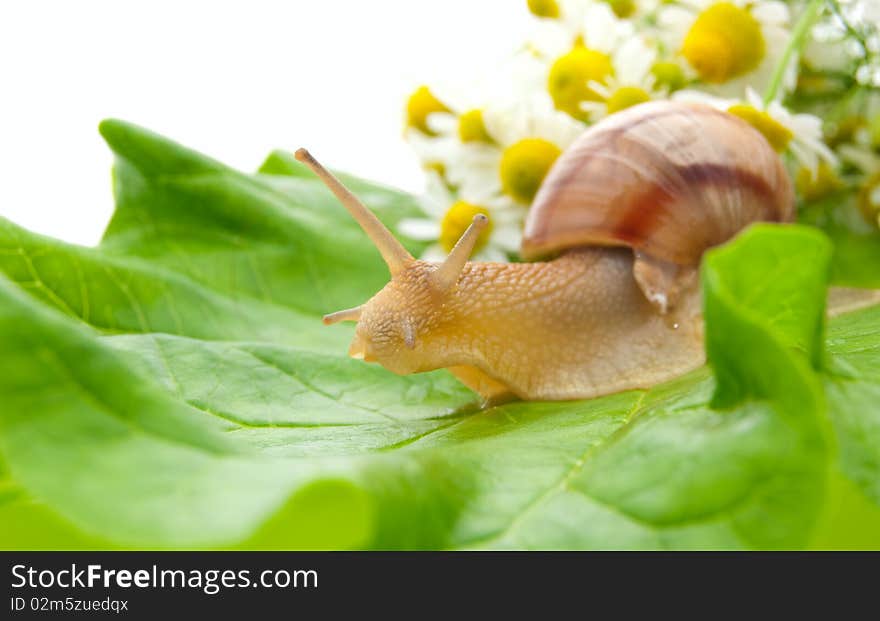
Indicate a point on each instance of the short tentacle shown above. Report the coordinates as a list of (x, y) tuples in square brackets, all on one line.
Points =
[(349, 314), (448, 273)]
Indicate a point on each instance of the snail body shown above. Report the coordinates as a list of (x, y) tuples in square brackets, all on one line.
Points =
[(621, 222)]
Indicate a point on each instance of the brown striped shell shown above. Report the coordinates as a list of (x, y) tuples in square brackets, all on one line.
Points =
[(668, 179)]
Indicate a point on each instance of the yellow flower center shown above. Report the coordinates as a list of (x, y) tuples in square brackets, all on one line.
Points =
[(471, 127), (524, 166), (869, 199), (668, 75), (814, 187), (419, 105), (724, 42), (622, 8), (569, 75), (777, 135), (544, 8), (457, 220), (625, 97)]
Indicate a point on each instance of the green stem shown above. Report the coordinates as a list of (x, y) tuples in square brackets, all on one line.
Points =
[(798, 37)]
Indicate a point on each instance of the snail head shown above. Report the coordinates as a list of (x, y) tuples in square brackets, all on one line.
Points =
[(401, 327)]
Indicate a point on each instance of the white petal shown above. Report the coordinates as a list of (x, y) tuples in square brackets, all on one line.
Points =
[(633, 61), (704, 98), (805, 157), (603, 31), (507, 237), (754, 99), (503, 208), (434, 252), (437, 197), (595, 109), (427, 148), (600, 89), (550, 38), (674, 23), (528, 74), (416, 228), (442, 122), (817, 146), (771, 13), (478, 194), (491, 254)]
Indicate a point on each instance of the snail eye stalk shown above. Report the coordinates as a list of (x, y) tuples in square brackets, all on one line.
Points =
[(449, 271), (396, 256)]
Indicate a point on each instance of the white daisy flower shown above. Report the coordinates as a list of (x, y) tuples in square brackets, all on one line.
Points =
[(730, 44), (576, 55), (448, 216), (447, 127), (631, 83), (799, 134), (512, 80), (528, 137)]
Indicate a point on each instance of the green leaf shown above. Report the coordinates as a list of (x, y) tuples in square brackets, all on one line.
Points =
[(856, 260), (856, 257), (175, 387), (765, 303)]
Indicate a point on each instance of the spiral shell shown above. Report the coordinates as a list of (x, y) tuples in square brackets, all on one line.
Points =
[(668, 179)]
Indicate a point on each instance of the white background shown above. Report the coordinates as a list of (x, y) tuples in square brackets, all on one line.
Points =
[(231, 79)]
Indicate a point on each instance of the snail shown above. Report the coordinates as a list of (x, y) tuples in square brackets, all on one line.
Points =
[(611, 299)]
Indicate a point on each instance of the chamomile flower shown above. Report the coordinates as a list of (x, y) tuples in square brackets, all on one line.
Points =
[(576, 56), (730, 44), (631, 83), (458, 121), (529, 135), (801, 134), (448, 216), (463, 120), (437, 131), (798, 134)]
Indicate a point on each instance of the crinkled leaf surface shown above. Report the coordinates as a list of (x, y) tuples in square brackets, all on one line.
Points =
[(174, 387)]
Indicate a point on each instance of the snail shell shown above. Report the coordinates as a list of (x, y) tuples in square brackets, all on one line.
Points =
[(668, 179)]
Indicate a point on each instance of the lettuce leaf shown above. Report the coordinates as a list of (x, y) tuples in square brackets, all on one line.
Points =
[(175, 388)]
